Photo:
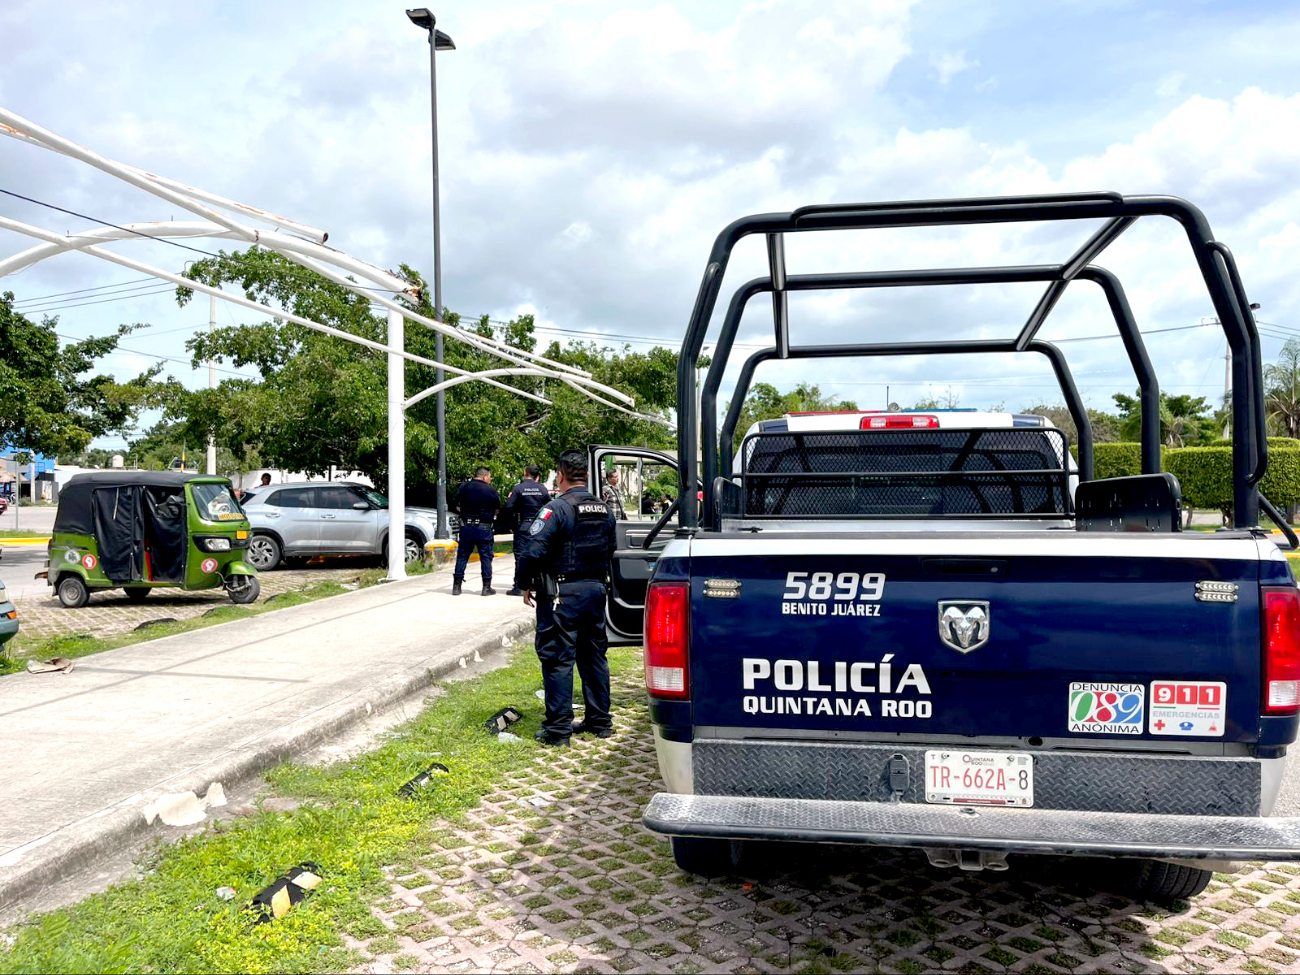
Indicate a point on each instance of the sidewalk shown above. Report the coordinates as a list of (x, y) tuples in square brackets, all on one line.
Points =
[(87, 751)]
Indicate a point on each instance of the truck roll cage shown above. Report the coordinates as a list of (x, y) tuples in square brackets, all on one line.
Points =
[(1214, 260)]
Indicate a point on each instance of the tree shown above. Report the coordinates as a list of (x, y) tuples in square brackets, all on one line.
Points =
[(48, 403), (766, 402), (950, 400), (1105, 426), (319, 400), (1185, 421), (1282, 390)]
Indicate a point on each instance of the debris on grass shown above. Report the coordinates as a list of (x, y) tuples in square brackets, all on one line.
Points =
[(276, 899), (502, 720), (424, 780)]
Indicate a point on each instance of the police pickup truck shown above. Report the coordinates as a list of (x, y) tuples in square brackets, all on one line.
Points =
[(937, 630)]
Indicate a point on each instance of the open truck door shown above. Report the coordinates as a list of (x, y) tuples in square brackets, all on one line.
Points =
[(647, 487)]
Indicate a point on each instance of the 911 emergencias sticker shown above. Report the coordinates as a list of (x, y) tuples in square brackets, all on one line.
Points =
[(1106, 709), (1196, 708)]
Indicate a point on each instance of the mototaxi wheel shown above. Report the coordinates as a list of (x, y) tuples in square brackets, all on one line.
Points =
[(243, 589), (73, 592)]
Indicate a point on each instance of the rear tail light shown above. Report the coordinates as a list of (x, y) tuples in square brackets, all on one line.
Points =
[(908, 422), (1281, 650), (666, 659)]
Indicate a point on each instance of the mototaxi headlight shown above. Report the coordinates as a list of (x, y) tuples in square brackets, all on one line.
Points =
[(216, 544)]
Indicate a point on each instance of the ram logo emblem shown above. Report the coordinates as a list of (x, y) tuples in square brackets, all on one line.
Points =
[(964, 624)]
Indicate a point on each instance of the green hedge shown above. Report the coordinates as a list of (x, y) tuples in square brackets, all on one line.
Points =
[(1205, 474), (1120, 459)]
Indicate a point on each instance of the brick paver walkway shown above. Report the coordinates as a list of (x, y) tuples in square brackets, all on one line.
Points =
[(555, 873), (110, 613)]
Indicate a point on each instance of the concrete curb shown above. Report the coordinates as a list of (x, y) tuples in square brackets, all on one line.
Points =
[(24, 541), (76, 848)]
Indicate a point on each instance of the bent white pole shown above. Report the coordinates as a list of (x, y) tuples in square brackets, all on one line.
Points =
[(396, 448), (622, 409), (448, 383), (294, 248), (34, 255), (151, 183), (266, 216), (37, 232), (69, 148)]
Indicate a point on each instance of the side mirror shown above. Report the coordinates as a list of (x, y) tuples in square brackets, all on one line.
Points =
[(360, 506)]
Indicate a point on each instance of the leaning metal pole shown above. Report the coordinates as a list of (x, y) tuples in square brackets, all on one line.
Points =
[(440, 408)]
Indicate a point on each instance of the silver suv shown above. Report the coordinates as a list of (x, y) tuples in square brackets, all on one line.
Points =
[(299, 520)]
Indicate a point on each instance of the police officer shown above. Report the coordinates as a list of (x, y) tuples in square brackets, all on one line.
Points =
[(477, 503), (564, 564), (524, 501)]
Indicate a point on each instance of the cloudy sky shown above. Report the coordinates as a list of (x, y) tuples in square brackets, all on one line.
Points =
[(591, 151)]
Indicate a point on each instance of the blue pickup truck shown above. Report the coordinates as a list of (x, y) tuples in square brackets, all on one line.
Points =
[(939, 630)]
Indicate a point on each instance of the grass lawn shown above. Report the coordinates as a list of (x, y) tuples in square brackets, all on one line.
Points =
[(352, 822), (19, 533)]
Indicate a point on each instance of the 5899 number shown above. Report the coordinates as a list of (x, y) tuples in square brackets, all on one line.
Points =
[(845, 586)]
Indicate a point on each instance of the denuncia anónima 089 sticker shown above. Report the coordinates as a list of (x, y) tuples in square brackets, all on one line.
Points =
[(1106, 709)]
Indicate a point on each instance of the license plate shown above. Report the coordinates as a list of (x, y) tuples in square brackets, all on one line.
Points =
[(980, 778)]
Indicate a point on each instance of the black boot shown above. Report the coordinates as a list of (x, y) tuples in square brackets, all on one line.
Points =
[(546, 738), (455, 588), (514, 591), (489, 591), (580, 728)]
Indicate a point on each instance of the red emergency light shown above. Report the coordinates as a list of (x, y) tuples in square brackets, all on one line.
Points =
[(899, 421)]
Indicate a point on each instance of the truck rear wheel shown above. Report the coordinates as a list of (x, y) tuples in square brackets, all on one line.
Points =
[(707, 857), (1158, 881)]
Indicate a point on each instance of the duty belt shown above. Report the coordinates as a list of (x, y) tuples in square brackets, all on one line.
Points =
[(475, 521), (580, 577)]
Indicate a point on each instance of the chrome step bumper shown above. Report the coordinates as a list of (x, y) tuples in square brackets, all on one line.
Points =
[(1052, 831)]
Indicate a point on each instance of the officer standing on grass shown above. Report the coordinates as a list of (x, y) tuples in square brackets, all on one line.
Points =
[(564, 564), (525, 500), (477, 503)]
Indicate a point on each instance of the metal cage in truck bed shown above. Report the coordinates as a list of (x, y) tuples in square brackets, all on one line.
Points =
[(967, 473), (701, 436)]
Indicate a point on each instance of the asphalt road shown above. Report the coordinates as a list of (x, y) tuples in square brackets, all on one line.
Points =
[(18, 564)]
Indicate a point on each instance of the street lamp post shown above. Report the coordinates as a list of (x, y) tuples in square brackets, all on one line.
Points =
[(423, 18)]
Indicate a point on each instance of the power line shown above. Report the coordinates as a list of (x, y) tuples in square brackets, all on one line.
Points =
[(101, 301), (82, 216), (100, 287), (155, 355)]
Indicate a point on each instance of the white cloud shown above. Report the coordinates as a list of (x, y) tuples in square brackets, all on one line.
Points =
[(948, 65)]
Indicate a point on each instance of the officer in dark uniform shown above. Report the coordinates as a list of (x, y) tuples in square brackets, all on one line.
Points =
[(477, 503), (564, 563), (524, 501)]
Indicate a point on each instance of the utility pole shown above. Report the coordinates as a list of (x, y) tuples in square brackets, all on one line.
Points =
[(212, 381), (1227, 391)]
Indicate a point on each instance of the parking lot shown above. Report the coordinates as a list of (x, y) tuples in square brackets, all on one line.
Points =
[(111, 613), (554, 873)]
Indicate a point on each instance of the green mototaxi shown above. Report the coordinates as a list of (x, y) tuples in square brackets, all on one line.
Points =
[(144, 530)]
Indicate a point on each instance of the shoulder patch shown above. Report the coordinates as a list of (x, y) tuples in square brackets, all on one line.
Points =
[(545, 513), (536, 527)]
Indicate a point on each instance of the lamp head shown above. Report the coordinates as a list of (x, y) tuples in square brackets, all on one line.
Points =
[(422, 17)]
